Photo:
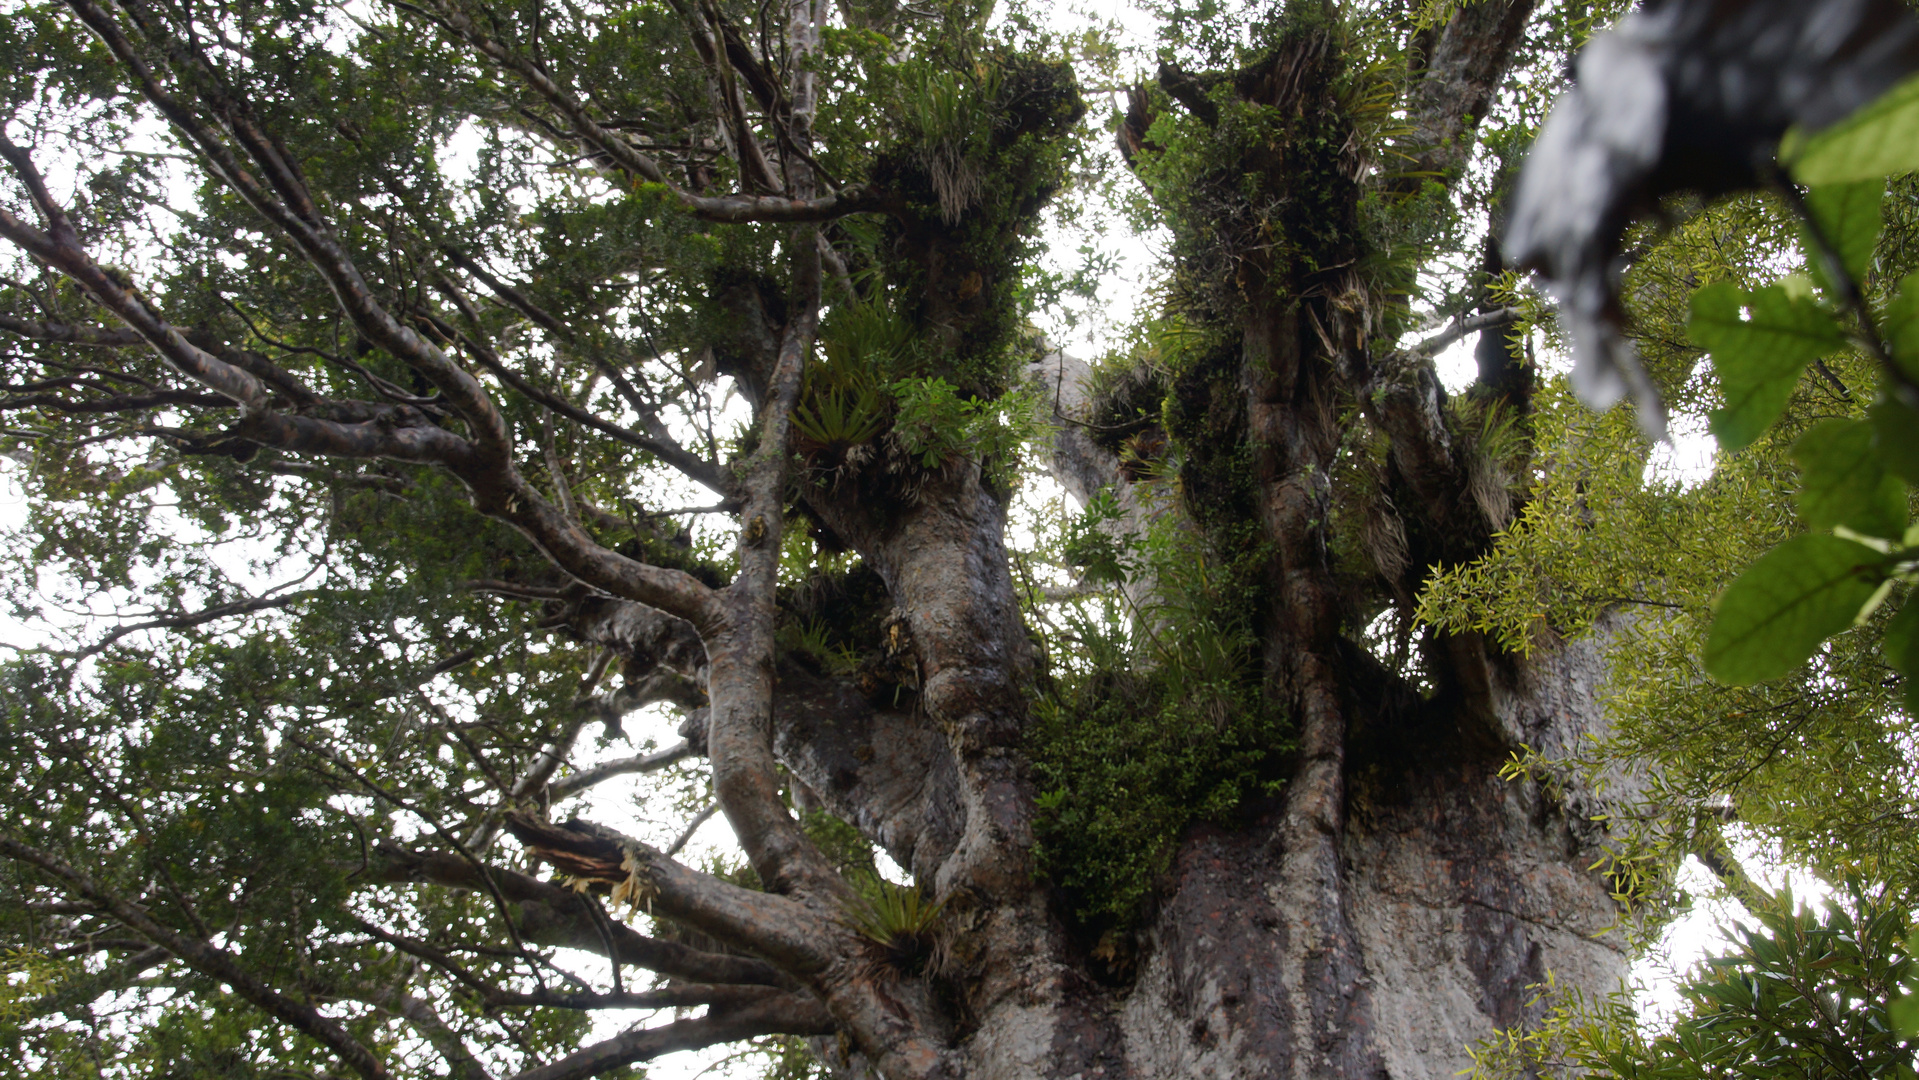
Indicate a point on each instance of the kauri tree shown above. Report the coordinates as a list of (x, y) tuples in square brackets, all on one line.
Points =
[(1205, 802)]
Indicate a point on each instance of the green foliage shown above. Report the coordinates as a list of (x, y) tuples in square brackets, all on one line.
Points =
[(1787, 603), (1156, 719), (1799, 995), (937, 426), (839, 417), (900, 921), (1761, 342), (842, 844), (1845, 481), (789, 1058), (1784, 605), (1092, 545), (1849, 217), (1775, 707)]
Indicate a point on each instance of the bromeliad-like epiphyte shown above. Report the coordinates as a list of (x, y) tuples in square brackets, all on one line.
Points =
[(1683, 95)]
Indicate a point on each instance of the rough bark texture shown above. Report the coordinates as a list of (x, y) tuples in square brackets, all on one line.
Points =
[(1462, 889), (1459, 890)]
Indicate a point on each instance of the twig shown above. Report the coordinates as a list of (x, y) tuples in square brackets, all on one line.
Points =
[(1468, 324), (692, 827)]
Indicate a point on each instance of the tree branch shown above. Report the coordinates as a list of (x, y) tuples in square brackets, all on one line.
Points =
[(1455, 87), (667, 450), (396, 432), (63, 334), (555, 916), (785, 1014), (485, 465), (630, 160), (657, 439), (1460, 327), (572, 785), (678, 996), (784, 931), (686, 834), (190, 619), (205, 958), (460, 1060)]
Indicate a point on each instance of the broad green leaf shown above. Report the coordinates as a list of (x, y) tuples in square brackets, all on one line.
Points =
[(1842, 481), (1901, 643), (1876, 141), (1895, 433), (1794, 597), (1904, 1014), (1760, 343), (1900, 324), (1850, 216), (1900, 646)]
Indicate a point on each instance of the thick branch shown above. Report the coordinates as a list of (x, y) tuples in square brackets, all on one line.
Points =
[(645, 636), (740, 677), (1459, 328), (677, 996), (398, 432), (1457, 84), (786, 1014), (63, 334), (780, 929), (119, 403), (551, 915)]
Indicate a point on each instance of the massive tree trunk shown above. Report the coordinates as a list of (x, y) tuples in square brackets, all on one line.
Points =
[(1410, 917), (1457, 891), (1387, 901), (1398, 899)]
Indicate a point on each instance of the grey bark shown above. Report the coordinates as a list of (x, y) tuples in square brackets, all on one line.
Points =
[(1461, 890)]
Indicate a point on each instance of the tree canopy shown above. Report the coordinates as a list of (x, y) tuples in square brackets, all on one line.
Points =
[(412, 399)]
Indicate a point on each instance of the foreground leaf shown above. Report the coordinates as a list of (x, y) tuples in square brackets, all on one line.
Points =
[(1758, 358), (1876, 141), (1895, 433), (1797, 595), (1842, 480), (1850, 217), (1900, 324)]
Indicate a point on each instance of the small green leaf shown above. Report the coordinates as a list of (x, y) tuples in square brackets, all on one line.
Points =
[(1842, 481), (1900, 324), (1900, 646), (1850, 216), (1794, 597), (1904, 1014), (1760, 356), (1876, 141), (1895, 433)]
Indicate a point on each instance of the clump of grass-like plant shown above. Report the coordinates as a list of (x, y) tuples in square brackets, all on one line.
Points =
[(901, 923)]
